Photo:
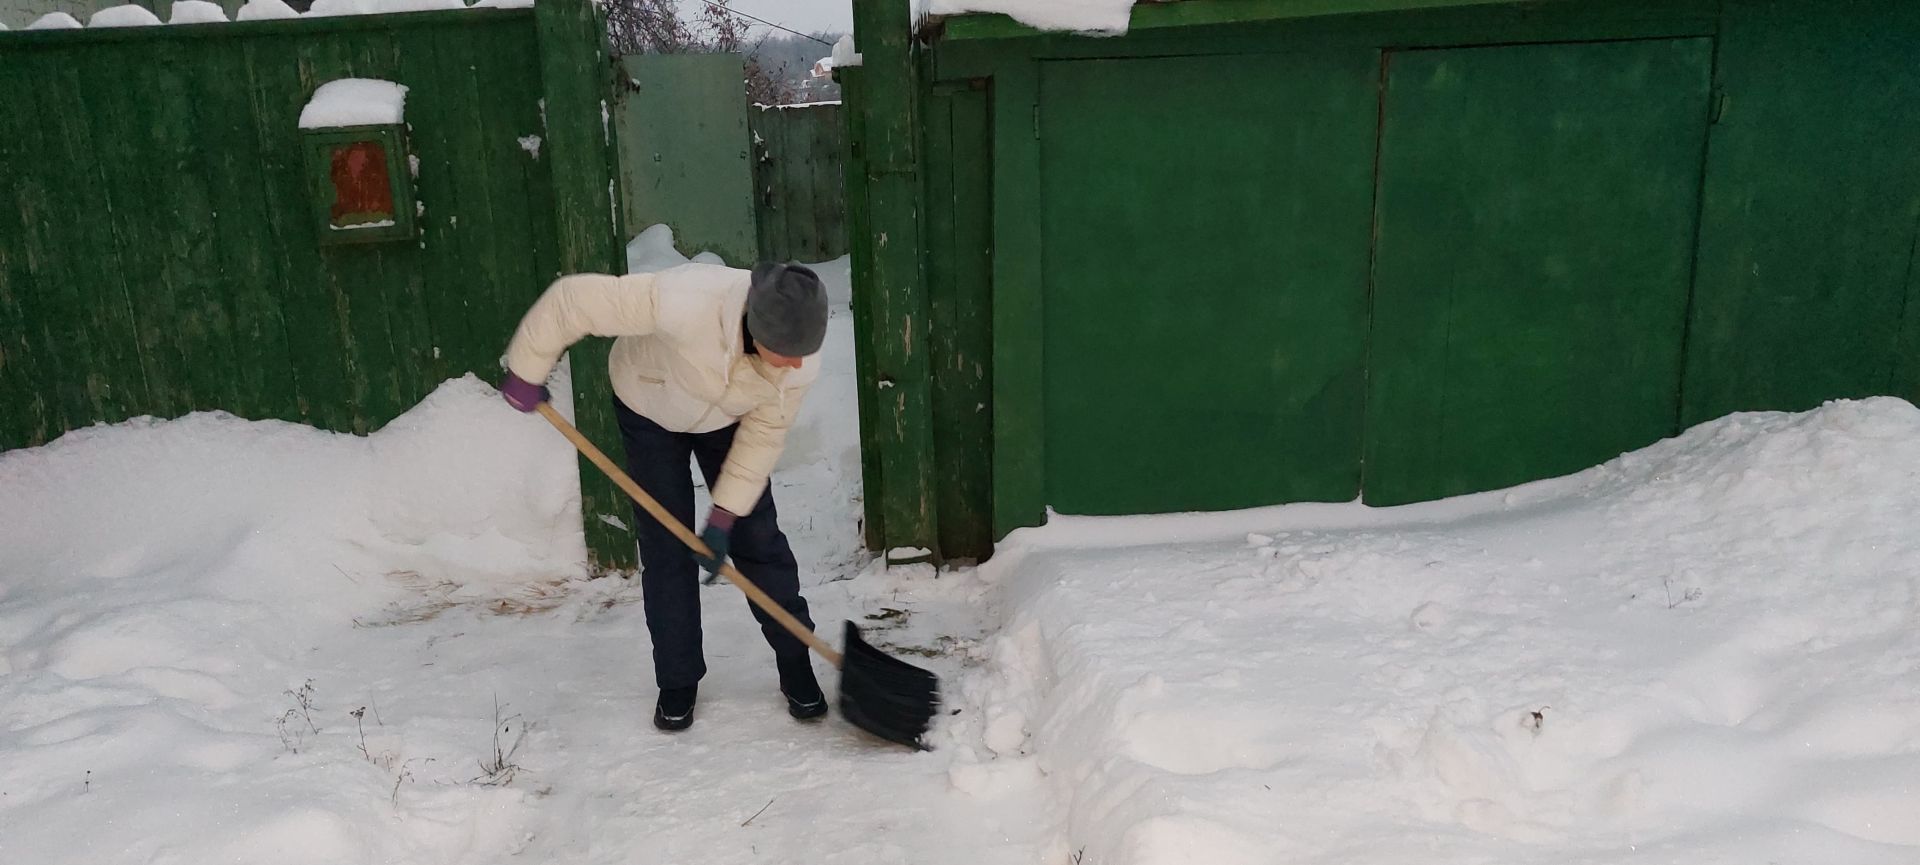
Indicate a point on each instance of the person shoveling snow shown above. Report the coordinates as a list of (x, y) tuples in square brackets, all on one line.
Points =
[(712, 363)]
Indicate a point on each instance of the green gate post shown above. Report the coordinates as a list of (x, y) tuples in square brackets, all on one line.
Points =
[(578, 76), (896, 332)]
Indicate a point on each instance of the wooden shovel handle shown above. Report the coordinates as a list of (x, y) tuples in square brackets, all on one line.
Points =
[(759, 598)]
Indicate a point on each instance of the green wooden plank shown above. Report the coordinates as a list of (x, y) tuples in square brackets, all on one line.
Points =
[(412, 328), (814, 172), (1811, 201), (1019, 333), (895, 200), (761, 157), (24, 384), (1535, 223), (581, 161), (860, 271), (182, 222), (797, 199), (1205, 270), (449, 259), (509, 106), (958, 263), (780, 185), (249, 272), (830, 153), (51, 330), (139, 217), (779, 190), (136, 368), (282, 79)]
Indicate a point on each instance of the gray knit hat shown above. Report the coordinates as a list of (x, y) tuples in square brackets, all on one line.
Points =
[(787, 309)]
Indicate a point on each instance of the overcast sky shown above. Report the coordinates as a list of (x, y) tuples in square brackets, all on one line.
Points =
[(805, 16)]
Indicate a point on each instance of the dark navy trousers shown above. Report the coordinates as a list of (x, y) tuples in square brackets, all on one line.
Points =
[(670, 578)]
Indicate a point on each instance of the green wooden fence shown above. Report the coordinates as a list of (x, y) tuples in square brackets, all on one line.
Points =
[(1446, 247), (158, 252), (800, 201)]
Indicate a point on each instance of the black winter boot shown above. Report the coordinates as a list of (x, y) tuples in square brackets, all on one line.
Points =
[(802, 690), (674, 710)]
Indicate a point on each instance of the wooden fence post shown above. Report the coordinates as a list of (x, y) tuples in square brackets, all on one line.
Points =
[(577, 74), (897, 332)]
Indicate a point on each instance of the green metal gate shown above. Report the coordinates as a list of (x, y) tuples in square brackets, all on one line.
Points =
[(1532, 260), (684, 151), (1204, 350)]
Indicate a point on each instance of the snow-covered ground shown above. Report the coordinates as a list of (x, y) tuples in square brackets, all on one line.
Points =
[(224, 640), (1706, 651)]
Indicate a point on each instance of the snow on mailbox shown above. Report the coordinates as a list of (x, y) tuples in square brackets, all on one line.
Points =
[(355, 132)]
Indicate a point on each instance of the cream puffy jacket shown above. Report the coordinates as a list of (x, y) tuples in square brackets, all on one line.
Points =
[(679, 360)]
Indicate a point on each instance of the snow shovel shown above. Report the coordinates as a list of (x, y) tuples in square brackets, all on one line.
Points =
[(882, 695)]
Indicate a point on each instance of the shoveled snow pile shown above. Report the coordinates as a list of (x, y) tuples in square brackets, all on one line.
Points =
[(653, 250), (168, 583), (1705, 651)]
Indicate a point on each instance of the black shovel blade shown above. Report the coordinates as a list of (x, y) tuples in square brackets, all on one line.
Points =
[(886, 696)]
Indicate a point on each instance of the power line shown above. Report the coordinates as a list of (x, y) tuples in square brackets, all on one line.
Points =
[(733, 11)]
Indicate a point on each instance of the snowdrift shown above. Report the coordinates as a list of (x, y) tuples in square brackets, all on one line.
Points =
[(1704, 651)]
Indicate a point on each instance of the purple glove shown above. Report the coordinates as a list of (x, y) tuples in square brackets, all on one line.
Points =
[(522, 394)]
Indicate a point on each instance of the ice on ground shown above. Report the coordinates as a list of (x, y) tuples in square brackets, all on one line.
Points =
[(355, 102), (127, 15), (266, 10), (1702, 651), (196, 12)]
